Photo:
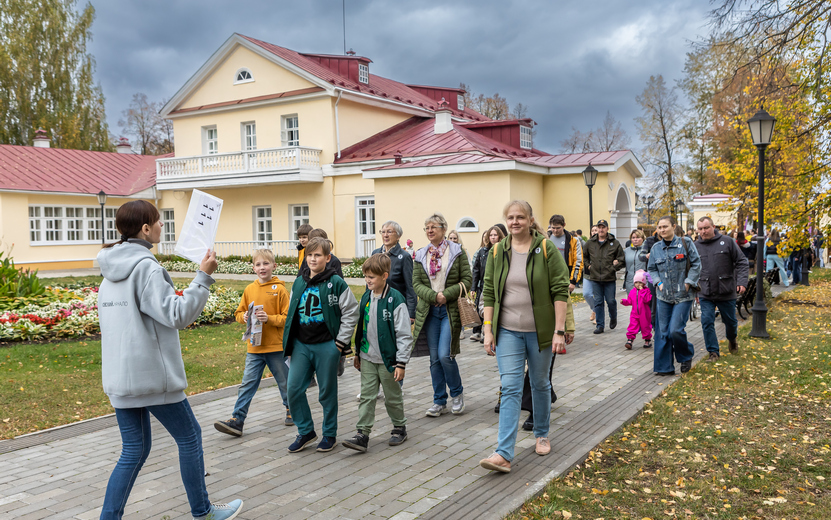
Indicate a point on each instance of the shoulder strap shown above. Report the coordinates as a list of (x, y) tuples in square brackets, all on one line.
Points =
[(687, 255), (545, 248), (495, 247)]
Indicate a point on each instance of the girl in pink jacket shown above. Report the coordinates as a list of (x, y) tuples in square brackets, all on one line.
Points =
[(640, 320)]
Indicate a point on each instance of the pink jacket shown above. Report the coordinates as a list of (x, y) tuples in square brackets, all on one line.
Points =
[(640, 301)]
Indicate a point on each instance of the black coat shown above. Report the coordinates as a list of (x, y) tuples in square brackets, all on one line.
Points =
[(480, 261), (723, 268), (401, 275)]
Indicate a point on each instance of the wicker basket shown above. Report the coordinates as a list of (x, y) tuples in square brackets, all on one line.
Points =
[(467, 309)]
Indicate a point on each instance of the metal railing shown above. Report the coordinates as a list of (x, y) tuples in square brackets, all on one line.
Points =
[(242, 248), (294, 158)]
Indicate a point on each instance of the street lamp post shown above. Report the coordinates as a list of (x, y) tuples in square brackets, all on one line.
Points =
[(761, 130), (590, 177), (679, 211), (649, 200), (102, 199), (806, 269)]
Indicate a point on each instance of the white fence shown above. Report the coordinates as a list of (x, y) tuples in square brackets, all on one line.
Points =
[(242, 248), (366, 246), (292, 158)]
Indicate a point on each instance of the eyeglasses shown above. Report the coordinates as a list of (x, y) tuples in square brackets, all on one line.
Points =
[(432, 228), (387, 232)]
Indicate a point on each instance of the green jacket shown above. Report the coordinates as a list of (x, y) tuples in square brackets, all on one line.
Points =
[(547, 281), (458, 270), (598, 259), (395, 341), (340, 308)]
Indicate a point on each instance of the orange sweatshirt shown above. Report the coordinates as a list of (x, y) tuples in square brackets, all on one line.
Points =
[(274, 298)]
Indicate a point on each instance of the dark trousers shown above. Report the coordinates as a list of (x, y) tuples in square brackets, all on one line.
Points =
[(527, 404)]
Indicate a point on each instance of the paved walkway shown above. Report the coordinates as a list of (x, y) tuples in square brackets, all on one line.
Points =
[(63, 473)]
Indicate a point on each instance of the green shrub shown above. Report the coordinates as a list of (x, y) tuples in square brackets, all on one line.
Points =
[(16, 283), (170, 258)]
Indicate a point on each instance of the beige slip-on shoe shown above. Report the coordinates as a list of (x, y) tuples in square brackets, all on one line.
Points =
[(496, 462), (543, 446)]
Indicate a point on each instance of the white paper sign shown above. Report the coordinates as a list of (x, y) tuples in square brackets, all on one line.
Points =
[(199, 231)]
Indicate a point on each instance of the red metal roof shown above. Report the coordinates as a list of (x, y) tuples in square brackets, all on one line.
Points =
[(446, 160), (378, 86), (290, 93), (75, 171), (579, 159), (415, 137)]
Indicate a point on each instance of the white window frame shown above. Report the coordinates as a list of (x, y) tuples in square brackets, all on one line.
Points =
[(460, 101), (290, 135), (243, 70), (210, 140), (263, 237), (364, 204), (52, 225), (295, 221), (526, 138), (248, 131), (169, 229), (462, 228), (363, 73)]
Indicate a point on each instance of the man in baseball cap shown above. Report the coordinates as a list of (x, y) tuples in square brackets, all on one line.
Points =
[(602, 256)]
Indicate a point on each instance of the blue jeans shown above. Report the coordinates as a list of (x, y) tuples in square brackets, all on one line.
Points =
[(604, 291), (588, 293), (797, 271), (308, 359), (671, 338), (513, 349), (708, 321), (136, 439), (254, 366), (775, 261), (443, 369)]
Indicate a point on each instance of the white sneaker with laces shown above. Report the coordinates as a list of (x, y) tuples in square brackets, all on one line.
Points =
[(223, 511), (458, 405)]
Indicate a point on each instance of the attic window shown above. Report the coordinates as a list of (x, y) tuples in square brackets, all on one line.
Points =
[(467, 224), (525, 139), (363, 73), (460, 102), (243, 76)]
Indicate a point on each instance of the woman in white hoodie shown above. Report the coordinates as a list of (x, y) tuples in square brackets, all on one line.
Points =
[(141, 360)]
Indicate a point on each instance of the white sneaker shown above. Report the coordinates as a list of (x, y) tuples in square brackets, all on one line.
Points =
[(475, 337), (458, 405), (436, 410), (359, 398)]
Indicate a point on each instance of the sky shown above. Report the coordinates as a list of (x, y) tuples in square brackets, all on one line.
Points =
[(569, 61)]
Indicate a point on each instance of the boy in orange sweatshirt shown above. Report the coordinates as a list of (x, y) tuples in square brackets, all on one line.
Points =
[(270, 292)]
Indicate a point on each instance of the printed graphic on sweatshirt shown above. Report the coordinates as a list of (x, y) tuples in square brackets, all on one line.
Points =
[(364, 341), (310, 310)]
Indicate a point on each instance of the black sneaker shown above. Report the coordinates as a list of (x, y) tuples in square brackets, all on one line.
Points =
[(358, 443), (612, 323), (398, 435), (288, 421), (666, 373), (528, 425), (302, 441), (598, 330), (232, 426), (686, 366), (327, 444)]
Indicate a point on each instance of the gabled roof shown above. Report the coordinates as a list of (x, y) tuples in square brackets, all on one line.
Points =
[(380, 88), (27, 168), (415, 137)]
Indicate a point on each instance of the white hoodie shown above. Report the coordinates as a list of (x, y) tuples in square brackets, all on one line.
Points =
[(140, 314)]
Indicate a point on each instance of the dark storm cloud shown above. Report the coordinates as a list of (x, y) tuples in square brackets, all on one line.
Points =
[(568, 61)]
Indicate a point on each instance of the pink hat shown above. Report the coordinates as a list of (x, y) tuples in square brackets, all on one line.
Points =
[(642, 276)]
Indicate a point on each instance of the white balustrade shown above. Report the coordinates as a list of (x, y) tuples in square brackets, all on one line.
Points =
[(242, 248), (293, 158), (367, 246)]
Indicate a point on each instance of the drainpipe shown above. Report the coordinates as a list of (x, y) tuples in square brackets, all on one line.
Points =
[(337, 126)]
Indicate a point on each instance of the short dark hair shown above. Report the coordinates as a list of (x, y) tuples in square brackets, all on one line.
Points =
[(304, 230), (319, 243), (131, 218), (669, 218), (705, 217), (557, 220), (579, 232), (318, 233), (377, 264)]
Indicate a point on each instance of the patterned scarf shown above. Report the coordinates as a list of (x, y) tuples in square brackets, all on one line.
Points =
[(435, 257)]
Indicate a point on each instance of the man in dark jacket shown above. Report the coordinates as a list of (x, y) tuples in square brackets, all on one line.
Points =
[(724, 272), (602, 257)]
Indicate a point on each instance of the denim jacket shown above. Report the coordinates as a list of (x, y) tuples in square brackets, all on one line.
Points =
[(667, 265)]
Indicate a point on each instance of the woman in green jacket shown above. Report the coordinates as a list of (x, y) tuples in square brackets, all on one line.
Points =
[(526, 303), (438, 270)]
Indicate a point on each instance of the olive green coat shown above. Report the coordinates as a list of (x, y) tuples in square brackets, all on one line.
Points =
[(458, 271)]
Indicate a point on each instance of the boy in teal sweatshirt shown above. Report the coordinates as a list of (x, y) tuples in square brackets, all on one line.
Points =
[(384, 341), (321, 317)]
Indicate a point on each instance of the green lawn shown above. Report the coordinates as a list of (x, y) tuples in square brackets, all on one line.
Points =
[(746, 437)]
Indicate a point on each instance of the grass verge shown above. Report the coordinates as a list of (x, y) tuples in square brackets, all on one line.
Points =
[(747, 437)]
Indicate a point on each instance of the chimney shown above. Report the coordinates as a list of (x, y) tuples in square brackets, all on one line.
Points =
[(41, 140), (443, 121), (123, 146), (398, 158)]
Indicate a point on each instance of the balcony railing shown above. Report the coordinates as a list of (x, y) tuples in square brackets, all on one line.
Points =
[(249, 167), (242, 248), (366, 247)]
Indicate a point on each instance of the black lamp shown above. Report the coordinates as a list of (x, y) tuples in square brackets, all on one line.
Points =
[(102, 199), (590, 177)]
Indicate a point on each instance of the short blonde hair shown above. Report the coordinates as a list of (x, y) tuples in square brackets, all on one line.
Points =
[(637, 233), (526, 208), (265, 254), (377, 264), (437, 219), (319, 243)]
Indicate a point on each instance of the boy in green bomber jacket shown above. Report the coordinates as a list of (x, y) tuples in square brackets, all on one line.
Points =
[(321, 317), (384, 341)]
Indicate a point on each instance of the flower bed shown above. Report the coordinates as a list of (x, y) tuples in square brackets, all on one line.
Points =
[(76, 314)]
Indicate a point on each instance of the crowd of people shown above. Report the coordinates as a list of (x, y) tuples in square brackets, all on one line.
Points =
[(522, 277)]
